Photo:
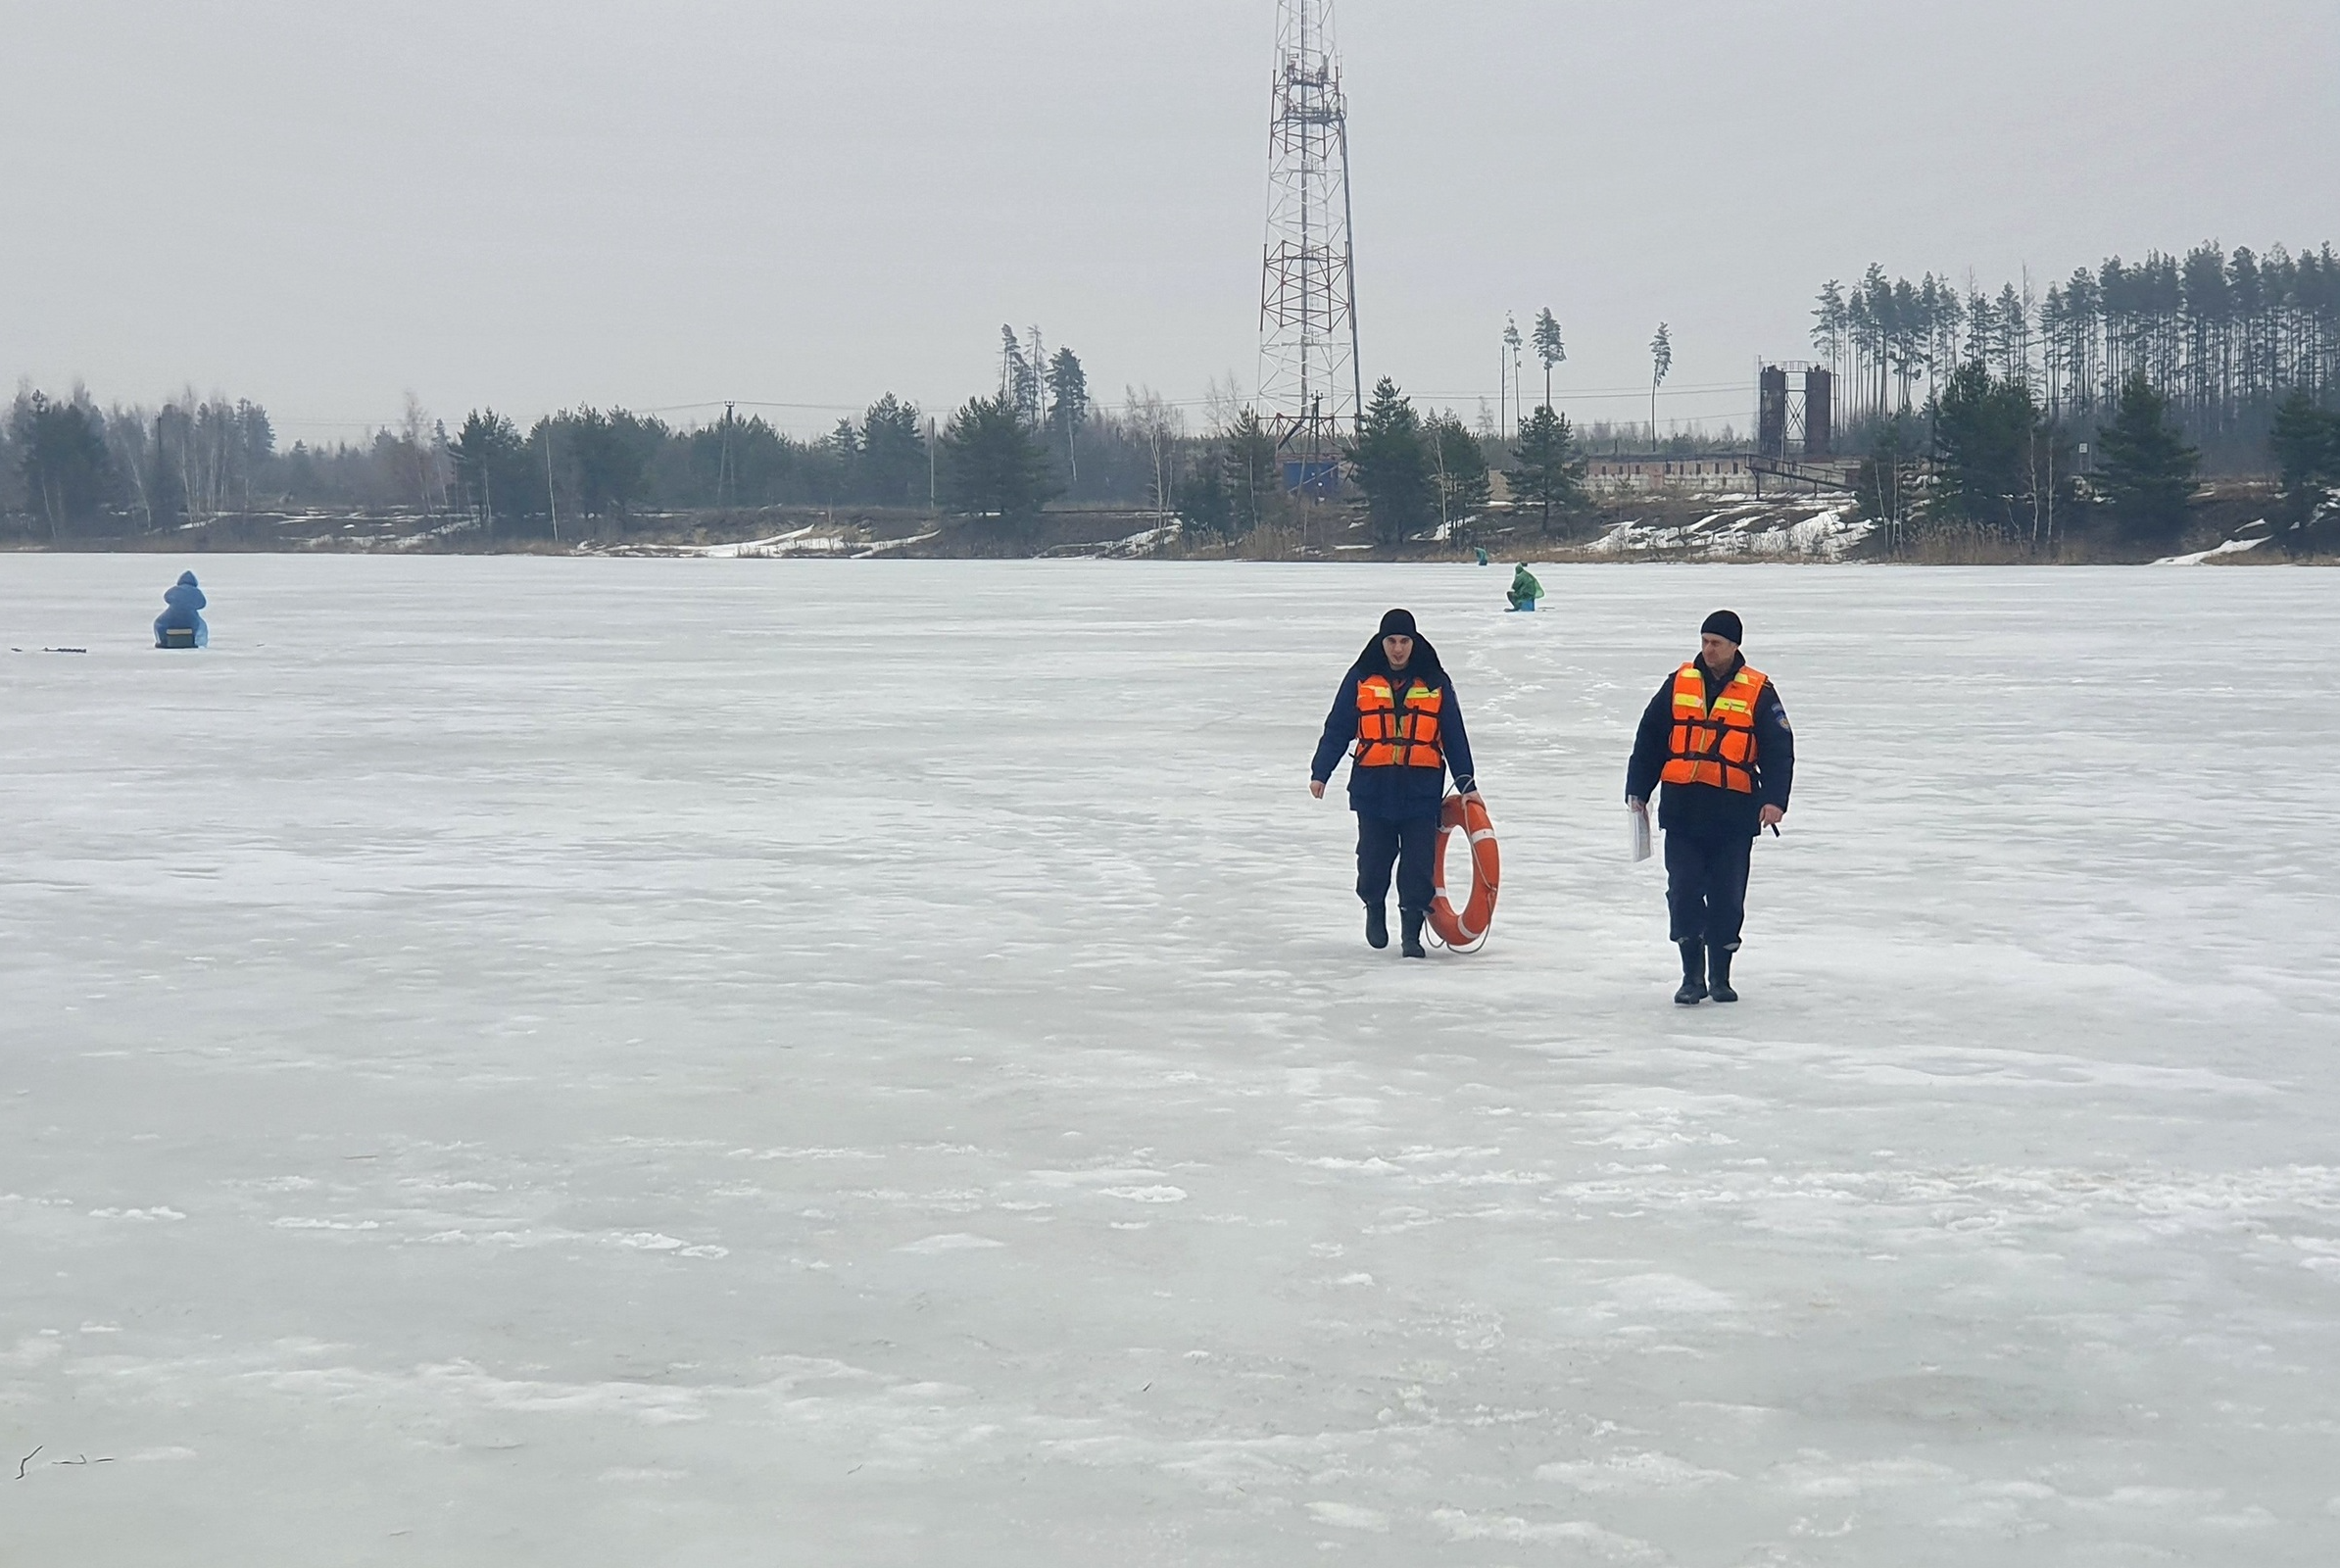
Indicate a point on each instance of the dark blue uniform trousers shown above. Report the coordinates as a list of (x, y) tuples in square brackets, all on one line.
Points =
[(1706, 883), (1407, 843)]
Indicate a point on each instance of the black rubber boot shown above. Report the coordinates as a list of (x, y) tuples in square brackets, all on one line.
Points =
[(1718, 973), (1693, 973), (1377, 925), (1411, 946)]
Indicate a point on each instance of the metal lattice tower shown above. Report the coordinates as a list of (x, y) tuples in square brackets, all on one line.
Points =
[(1310, 385)]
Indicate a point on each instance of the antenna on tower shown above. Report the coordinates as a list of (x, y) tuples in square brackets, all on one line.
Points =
[(1311, 383)]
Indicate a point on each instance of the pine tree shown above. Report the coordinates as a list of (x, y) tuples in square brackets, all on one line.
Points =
[(1548, 471), (1019, 378), (613, 461), (2148, 470), (1828, 332), (892, 456), (1998, 463), (62, 458), (1204, 504), (490, 466), (1661, 360), (1458, 468), (1511, 349), (1550, 349), (837, 463), (1391, 464), (2305, 442), (1068, 407), (991, 467), (1068, 391), (1254, 479), (1888, 483)]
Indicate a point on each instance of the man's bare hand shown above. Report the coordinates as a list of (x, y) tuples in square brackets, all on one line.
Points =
[(1316, 787), (1769, 815)]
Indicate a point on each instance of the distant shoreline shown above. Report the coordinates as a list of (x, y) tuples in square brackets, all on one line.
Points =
[(2232, 527)]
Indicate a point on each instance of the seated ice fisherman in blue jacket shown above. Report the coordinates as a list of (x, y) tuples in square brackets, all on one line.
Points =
[(183, 616)]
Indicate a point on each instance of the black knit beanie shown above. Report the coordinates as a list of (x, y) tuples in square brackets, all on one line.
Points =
[(1724, 623), (1400, 623)]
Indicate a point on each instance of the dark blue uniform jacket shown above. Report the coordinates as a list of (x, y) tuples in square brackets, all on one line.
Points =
[(1395, 792), (1711, 807)]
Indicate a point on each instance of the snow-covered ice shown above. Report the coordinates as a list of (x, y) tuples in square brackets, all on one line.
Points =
[(701, 1062)]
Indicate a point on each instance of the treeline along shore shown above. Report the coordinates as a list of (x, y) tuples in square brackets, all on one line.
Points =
[(2132, 411), (2091, 411)]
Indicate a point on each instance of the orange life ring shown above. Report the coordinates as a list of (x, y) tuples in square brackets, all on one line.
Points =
[(1486, 874)]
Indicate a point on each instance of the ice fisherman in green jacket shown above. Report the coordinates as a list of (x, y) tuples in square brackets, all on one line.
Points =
[(1525, 589)]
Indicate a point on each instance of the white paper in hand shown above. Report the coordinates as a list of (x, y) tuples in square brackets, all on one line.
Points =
[(1636, 821)]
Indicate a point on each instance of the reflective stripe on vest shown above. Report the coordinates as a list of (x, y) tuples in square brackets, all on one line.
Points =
[(1714, 745), (1399, 734)]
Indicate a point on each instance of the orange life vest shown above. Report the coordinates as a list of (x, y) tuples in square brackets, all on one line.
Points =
[(1714, 745), (1398, 732)]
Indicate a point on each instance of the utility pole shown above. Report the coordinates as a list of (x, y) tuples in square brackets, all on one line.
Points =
[(1502, 394), (2051, 489), (726, 483), (1661, 360), (1438, 444), (552, 501), (1511, 346), (1037, 368)]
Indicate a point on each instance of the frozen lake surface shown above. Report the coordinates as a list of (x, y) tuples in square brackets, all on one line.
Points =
[(517, 1061)]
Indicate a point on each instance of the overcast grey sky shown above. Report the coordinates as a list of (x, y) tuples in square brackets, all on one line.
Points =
[(322, 205)]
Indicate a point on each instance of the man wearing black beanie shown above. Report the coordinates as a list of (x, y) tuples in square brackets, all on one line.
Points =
[(1396, 717), (1716, 736)]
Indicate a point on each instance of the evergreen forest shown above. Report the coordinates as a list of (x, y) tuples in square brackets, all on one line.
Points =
[(2024, 420), (2225, 337)]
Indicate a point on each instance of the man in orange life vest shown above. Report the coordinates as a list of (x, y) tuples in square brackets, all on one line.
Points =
[(1398, 707), (1716, 735)]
